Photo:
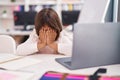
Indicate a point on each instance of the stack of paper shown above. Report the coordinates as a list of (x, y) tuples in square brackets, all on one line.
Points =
[(20, 63), (6, 57)]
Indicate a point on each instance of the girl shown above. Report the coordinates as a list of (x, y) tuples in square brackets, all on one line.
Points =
[(47, 37)]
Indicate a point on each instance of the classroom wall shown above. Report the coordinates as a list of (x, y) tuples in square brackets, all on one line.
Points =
[(94, 11)]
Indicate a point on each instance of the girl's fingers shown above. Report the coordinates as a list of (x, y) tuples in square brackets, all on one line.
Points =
[(42, 35)]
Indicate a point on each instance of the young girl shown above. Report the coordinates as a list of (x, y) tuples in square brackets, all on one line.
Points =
[(47, 37)]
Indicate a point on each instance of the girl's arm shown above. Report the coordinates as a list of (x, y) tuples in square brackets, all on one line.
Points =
[(29, 46), (65, 43)]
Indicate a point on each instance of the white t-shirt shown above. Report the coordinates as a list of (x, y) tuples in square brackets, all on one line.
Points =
[(30, 45)]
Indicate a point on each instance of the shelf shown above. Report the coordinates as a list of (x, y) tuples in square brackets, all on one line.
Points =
[(11, 3), (43, 3), (13, 32), (72, 2), (46, 2), (8, 17)]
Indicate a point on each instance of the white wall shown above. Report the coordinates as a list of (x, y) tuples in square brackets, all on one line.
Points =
[(94, 11)]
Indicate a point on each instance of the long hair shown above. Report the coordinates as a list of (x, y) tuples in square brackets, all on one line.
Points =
[(49, 17)]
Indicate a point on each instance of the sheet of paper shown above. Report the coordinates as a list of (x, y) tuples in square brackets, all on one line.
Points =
[(15, 75), (19, 63), (5, 57)]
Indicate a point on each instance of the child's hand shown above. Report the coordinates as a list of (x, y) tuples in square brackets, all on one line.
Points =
[(42, 39), (51, 35), (40, 45), (43, 36)]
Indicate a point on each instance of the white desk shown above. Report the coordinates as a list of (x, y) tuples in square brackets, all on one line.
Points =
[(48, 63), (14, 33)]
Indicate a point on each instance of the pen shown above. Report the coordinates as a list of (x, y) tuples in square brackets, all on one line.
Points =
[(2, 68), (15, 70)]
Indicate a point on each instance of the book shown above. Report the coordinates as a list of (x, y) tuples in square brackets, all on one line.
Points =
[(6, 57), (52, 75), (20, 63)]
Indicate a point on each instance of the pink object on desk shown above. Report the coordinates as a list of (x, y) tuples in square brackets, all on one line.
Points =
[(76, 77), (7, 76), (67, 76), (53, 75), (110, 78)]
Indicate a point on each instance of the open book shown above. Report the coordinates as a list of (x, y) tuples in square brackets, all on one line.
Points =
[(5, 57), (14, 62)]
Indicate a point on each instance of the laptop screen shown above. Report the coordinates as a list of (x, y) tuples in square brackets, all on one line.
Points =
[(94, 44)]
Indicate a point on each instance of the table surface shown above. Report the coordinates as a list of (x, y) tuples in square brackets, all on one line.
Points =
[(15, 32), (48, 63)]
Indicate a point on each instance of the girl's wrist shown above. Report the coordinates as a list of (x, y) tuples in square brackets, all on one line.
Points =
[(41, 45), (54, 46)]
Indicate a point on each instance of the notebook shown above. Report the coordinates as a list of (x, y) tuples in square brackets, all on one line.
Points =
[(20, 63), (5, 57), (52, 75)]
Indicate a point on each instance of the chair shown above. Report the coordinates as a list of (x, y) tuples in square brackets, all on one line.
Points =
[(7, 44)]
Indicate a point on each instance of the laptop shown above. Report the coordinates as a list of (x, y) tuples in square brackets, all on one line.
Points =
[(94, 44)]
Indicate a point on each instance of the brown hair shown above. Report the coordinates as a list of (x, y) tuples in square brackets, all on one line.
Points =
[(49, 17)]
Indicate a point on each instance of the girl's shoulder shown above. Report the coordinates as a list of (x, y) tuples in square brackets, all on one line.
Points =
[(67, 31), (66, 34), (33, 33), (33, 36)]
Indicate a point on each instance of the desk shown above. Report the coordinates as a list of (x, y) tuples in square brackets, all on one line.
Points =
[(14, 32), (48, 63), (19, 36)]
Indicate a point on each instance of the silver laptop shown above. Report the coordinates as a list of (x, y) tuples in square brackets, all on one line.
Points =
[(94, 44)]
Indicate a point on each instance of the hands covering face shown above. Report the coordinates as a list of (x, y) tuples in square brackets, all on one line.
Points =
[(46, 36)]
